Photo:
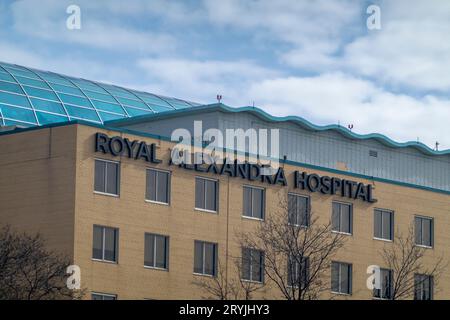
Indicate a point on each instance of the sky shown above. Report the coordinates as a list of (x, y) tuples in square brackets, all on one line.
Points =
[(313, 59)]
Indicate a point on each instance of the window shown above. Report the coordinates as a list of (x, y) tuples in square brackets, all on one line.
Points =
[(342, 217), (298, 271), (254, 200), (383, 224), (158, 186), (206, 194), (106, 177), (423, 287), (423, 231), (252, 265), (385, 291), (298, 210), (105, 244), (205, 258), (156, 251), (103, 296), (341, 278)]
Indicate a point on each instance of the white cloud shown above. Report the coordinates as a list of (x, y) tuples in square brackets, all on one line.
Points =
[(411, 50), (312, 30), (203, 80), (47, 21), (355, 72), (336, 97), (324, 99), (64, 63)]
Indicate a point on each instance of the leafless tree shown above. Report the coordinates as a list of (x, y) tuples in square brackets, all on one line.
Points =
[(28, 271), (233, 287), (297, 256), (405, 259)]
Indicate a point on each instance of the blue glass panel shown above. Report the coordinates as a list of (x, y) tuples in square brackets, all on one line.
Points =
[(154, 100), (105, 106), (54, 79), (17, 123), (45, 105), (45, 118), (88, 85), (32, 82), (40, 93), (67, 89), (120, 93), (11, 87), (87, 114), (22, 73), (178, 104), (136, 112), (9, 65), (20, 114), (159, 108), (109, 116), (132, 103), (79, 101), (7, 77), (15, 99), (99, 96)]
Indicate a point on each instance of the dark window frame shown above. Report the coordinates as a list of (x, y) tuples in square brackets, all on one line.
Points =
[(103, 296), (155, 253), (340, 203), (263, 202), (340, 290), (168, 187), (116, 244), (215, 258), (392, 224), (303, 274), (105, 182), (308, 208), (251, 265), (216, 199), (423, 280), (431, 240), (385, 292)]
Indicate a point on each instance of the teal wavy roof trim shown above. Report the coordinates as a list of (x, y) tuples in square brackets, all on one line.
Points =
[(294, 119)]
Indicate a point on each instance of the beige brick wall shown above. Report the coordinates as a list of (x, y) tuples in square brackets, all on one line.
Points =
[(38, 193), (37, 184), (133, 216)]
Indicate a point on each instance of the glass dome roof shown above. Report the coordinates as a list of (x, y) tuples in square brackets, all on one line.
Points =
[(30, 97)]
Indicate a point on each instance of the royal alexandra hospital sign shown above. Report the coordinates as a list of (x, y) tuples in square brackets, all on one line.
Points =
[(118, 146)]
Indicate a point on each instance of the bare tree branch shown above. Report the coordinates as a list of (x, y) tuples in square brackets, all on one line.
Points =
[(405, 259), (28, 271), (297, 258)]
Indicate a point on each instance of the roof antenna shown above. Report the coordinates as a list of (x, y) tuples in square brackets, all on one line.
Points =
[(253, 104), (350, 127), (437, 145), (219, 98)]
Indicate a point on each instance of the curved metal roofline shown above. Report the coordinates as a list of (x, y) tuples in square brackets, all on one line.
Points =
[(294, 119)]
